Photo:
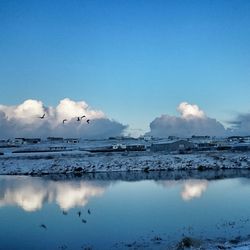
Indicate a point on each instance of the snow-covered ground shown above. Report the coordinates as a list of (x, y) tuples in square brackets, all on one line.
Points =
[(238, 243), (78, 161)]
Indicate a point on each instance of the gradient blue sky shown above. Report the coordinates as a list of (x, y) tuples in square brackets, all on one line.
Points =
[(134, 60)]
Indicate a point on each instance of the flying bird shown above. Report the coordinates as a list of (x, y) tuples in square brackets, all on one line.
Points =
[(64, 213), (64, 120), (78, 119), (41, 117), (88, 121), (84, 221), (89, 211), (83, 116), (43, 226), (79, 213)]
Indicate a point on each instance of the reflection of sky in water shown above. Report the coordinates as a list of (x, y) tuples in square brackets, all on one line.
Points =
[(191, 188), (120, 211), (31, 193)]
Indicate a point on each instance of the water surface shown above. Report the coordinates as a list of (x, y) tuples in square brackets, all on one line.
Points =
[(41, 213)]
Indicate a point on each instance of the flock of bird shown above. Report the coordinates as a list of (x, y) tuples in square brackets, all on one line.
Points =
[(78, 119)]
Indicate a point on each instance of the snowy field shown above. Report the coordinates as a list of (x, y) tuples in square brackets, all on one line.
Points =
[(84, 162), (75, 159)]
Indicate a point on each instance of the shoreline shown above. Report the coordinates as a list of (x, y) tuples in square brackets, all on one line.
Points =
[(158, 242)]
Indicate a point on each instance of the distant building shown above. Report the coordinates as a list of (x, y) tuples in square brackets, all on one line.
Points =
[(121, 138), (172, 137), (235, 138), (147, 138), (115, 138), (241, 147), (19, 140), (119, 146), (180, 145), (223, 147), (57, 148), (205, 146), (27, 140), (72, 140), (55, 139), (3, 142), (7, 144), (239, 139), (136, 147), (200, 137)]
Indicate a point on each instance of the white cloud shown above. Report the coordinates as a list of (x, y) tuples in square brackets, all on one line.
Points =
[(241, 125), (192, 121), (67, 109), (23, 120), (190, 111)]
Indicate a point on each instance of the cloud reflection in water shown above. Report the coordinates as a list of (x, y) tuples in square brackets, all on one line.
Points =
[(194, 189), (191, 189), (31, 193)]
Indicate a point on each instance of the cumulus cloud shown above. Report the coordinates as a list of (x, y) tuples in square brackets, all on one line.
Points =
[(23, 120), (192, 121), (189, 111), (241, 125)]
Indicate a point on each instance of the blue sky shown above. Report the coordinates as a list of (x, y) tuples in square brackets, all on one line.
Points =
[(135, 60)]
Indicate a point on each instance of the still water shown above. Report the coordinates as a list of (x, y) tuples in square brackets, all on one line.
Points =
[(41, 213)]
